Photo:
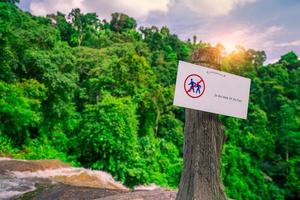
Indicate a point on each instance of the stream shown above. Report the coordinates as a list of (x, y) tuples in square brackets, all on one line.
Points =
[(53, 179)]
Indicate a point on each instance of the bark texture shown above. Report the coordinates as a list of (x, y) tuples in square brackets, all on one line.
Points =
[(203, 142)]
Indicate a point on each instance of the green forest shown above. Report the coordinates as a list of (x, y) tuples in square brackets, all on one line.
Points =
[(99, 94)]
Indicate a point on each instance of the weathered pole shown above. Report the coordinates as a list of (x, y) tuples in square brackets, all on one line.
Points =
[(203, 142)]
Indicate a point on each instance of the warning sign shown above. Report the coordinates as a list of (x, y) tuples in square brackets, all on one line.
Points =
[(210, 90), (194, 86)]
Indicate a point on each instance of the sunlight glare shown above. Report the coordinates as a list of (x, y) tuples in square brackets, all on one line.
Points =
[(229, 46)]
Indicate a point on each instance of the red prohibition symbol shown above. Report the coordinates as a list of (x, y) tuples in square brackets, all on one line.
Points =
[(194, 86)]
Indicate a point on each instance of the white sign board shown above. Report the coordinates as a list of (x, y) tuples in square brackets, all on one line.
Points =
[(210, 90)]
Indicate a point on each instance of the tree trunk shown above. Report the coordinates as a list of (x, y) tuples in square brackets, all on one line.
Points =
[(203, 142)]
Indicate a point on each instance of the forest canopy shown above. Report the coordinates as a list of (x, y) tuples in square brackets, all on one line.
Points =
[(98, 94)]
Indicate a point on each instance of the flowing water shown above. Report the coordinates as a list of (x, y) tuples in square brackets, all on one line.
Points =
[(20, 176), (53, 179)]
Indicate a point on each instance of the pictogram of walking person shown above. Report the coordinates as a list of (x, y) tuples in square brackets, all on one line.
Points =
[(198, 88), (192, 85)]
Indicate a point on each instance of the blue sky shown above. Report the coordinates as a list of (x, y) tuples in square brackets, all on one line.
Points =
[(269, 25)]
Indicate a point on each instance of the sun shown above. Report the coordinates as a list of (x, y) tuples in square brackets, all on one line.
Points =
[(229, 41), (229, 45)]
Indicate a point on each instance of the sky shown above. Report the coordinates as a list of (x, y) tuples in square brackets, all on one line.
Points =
[(269, 25)]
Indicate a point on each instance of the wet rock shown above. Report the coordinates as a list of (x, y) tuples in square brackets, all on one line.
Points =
[(67, 192), (157, 194)]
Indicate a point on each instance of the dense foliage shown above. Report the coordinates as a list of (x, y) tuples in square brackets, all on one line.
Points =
[(99, 94)]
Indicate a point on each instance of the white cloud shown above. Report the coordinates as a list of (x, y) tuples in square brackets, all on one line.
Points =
[(135, 8), (294, 43), (44, 7), (247, 36), (273, 30), (214, 7)]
